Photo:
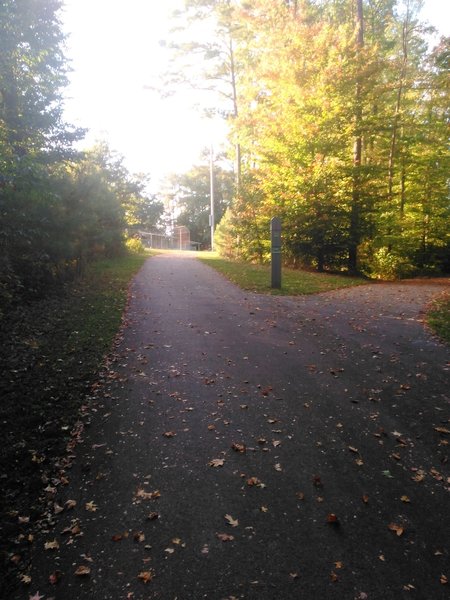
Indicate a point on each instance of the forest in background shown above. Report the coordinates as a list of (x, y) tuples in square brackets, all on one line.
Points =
[(338, 115), (59, 208)]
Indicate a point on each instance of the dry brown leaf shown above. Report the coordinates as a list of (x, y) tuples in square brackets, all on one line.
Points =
[(53, 545), (169, 434), (143, 495), (405, 499), (83, 570), (225, 537), (252, 481), (216, 462), (443, 579), (146, 576), (139, 536), (398, 529), (231, 521), (91, 506), (332, 519), (442, 430), (55, 577), (238, 447)]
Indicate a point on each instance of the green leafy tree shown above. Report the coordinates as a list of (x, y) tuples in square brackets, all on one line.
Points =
[(191, 194)]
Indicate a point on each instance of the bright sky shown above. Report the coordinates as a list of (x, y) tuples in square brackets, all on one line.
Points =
[(115, 51)]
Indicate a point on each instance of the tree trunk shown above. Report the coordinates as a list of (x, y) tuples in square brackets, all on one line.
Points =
[(355, 217)]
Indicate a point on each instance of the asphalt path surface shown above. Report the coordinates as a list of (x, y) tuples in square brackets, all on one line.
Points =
[(256, 447)]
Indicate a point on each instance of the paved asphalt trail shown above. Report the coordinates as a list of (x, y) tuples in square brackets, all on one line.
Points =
[(336, 398)]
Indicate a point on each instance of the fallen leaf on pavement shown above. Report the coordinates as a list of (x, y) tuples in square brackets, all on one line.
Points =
[(252, 481), (238, 447), (91, 506), (143, 495), (398, 529), (231, 521), (225, 537), (53, 545), (83, 570), (405, 499), (55, 577), (442, 430), (332, 519), (443, 579), (169, 434), (216, 462), (146, 576)]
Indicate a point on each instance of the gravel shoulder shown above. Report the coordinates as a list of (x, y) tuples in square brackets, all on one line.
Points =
[(256, 447)]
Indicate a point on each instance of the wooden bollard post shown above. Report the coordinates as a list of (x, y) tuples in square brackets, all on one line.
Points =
[(275, 236)]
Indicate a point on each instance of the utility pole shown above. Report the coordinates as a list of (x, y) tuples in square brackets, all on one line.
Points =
[(211, 183)]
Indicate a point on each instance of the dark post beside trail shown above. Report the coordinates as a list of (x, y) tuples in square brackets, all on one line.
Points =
[(275, 236)]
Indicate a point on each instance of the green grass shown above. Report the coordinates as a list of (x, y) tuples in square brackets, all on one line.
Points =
[(294, 282), (94, 319), (439, 317)]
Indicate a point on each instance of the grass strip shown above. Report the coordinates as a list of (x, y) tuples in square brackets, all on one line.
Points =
[(51, 352), (438, 317), (295, 282)]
